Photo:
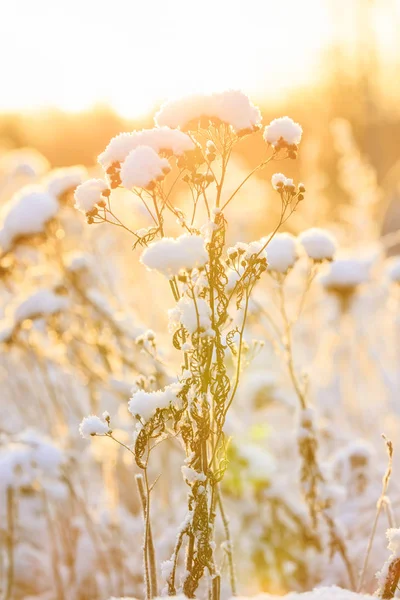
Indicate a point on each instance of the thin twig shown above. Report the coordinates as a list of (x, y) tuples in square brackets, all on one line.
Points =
[(380, 503)]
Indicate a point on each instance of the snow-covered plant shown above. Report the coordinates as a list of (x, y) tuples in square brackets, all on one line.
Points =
[(389, 576), (211, 291), (252, 437)]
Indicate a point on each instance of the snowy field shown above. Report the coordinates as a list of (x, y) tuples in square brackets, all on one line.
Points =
[(196, 400)]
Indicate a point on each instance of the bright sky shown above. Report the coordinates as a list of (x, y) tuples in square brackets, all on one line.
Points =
[(134, 53)]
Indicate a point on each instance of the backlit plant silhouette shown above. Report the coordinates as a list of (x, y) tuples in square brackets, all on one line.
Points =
[(211, 286)]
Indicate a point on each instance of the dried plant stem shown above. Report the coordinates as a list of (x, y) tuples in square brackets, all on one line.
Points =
[(140, 484), (310, 278), (28, 359), (257, 168), (338, 543), (392, 580), (174, 559), (190, 552), (380, 503), (312, 461), (55, 558), (52, 393), (10, 543), (98, 542), (216, 587), (229, 547), (207, 388), (389, 513), (288, 344), (148, 548), (237, 376)]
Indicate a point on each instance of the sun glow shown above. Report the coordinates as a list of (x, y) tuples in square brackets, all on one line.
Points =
[(132, 54)]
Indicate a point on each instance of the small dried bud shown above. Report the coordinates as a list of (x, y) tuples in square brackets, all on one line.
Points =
[(93, 212), (151, 336), (113, 168), (211, 147), (139, 340), (141, 380)]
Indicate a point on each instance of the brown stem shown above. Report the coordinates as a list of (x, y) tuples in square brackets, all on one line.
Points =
[(148, 548), (10, 543), (385, 484), (392, 580), (229, 547), (55, 558), (257, 168)]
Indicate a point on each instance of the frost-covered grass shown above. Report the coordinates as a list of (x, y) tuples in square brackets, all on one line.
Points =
[(194, 389)]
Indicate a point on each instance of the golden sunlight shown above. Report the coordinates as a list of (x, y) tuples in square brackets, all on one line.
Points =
[(199, 299), (149, 53)]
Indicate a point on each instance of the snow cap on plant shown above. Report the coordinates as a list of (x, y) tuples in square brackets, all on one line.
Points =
[(283, 128), (26, 214), (278, 181), (191, 475), (60, 181), (144, 404), (346, 274), (282, 252), (42, 303), (193, 316), (284, 133), (93, 425), (232, 107), (90, 194), (142, 168), (77, 262), (26, 457), (171, 255), (319, 244), (161, 139)]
